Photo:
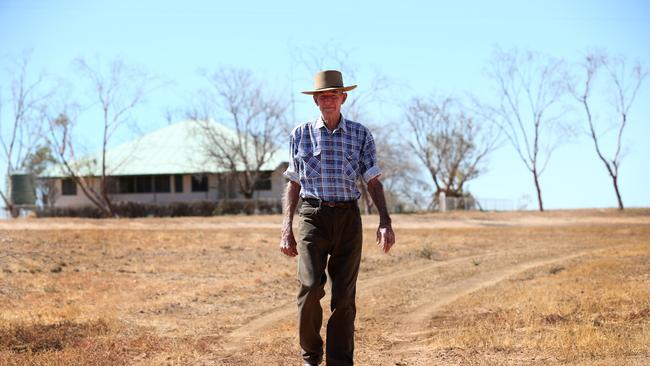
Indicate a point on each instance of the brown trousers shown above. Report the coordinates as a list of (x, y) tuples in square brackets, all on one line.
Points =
[(335, 232)]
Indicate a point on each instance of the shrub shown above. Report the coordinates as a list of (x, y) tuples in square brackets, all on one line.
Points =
[(428, 252), (173, 209)]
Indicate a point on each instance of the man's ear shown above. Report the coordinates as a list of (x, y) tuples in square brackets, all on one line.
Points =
[(345, 97)]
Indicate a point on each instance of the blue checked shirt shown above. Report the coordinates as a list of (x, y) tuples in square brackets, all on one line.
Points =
[(327, 163)]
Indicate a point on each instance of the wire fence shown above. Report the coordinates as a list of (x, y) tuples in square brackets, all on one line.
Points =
[(496, 204), (475, 204)]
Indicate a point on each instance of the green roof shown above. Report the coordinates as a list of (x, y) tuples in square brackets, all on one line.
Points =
[(175, 149)]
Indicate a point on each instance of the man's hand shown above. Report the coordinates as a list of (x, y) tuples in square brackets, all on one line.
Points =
[(385, 234), (385, 237), (287, 241), (288, 244)]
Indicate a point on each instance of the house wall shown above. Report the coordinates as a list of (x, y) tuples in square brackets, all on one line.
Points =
[(218, 188), (79, 199), (278, 182)]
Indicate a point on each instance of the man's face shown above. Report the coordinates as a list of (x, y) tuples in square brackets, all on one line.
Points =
[(329, 102)]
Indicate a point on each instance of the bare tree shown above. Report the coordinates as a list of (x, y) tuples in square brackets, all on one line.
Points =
[(24, 129), (449, 143), (404, 187), (256, 117), (81, 170), (529, 112), (625, 84), (118, 92)]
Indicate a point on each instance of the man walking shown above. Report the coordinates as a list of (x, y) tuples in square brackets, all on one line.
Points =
[(327, 157)]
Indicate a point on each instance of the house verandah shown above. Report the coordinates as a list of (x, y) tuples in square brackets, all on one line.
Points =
[(167, 188)]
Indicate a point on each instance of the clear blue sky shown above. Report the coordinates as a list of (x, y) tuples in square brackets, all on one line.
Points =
[(423, 46)]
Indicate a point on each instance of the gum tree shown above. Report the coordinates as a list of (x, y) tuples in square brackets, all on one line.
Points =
[(606, 130), (530, 109)]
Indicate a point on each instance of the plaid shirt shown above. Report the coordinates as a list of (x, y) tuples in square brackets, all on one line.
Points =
[(327, 163)]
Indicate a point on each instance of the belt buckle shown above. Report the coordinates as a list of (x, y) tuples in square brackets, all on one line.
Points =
[(329, 204)]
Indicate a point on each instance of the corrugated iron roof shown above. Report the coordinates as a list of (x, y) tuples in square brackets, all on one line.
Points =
[(175, 149)]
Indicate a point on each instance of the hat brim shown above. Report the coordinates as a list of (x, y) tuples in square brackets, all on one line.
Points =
[(341, 88)]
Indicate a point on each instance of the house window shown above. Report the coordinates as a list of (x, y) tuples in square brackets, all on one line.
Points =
[(143, 184), (200, 183), (178, 183), (263, 182), (125, 185), (162, 184), (69, 187)]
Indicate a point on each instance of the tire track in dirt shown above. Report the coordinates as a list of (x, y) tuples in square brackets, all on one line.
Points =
[(413, 322), (250, 330), (410, 326)]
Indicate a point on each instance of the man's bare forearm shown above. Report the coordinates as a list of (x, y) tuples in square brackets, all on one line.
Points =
[(290, 201), (376, 190)]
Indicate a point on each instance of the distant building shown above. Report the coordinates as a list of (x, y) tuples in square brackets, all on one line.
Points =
[(164, 166)]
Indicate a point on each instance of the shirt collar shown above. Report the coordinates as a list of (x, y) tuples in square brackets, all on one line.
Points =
[(342, 125)]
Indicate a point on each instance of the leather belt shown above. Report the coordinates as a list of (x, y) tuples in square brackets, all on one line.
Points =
[(337, 204)]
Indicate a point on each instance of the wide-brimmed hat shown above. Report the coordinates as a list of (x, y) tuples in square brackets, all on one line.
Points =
[(328, 80)]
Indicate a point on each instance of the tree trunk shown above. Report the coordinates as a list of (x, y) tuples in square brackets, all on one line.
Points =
[(539, 191), (86, 187), (13, 211), (618, 194), (107, 200)]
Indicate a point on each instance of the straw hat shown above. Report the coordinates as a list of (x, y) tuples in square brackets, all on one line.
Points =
[(328, 80)]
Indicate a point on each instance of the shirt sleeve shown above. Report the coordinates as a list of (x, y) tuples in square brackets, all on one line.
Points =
[(369, 167), (292, 173)]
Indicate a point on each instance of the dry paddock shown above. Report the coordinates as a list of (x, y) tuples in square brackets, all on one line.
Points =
[(520, 288)]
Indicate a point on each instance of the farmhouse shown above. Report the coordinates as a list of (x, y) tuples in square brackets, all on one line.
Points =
[(168, 165)]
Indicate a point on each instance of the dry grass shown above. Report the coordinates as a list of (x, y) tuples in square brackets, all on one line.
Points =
[(69, 343), (485, 288), (590, 311)]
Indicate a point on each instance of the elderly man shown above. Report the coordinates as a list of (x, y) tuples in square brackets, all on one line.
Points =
[(327, 157)]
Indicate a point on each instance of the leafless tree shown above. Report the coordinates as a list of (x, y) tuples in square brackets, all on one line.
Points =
[(404, 187), (118, 91), (449, 142), (623, 84), (530, 112), (235, 98), (83, 169), (24, 129)]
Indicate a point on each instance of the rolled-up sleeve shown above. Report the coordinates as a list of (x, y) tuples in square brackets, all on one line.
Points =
[(292, 173), (369, 167)]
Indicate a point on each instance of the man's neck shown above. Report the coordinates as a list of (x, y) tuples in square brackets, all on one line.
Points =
[(332, 121)]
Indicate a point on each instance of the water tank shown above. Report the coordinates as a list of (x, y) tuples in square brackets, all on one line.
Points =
[(22, 189)]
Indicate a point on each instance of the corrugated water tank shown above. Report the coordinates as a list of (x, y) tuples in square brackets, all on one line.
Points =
[(22, 189)]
